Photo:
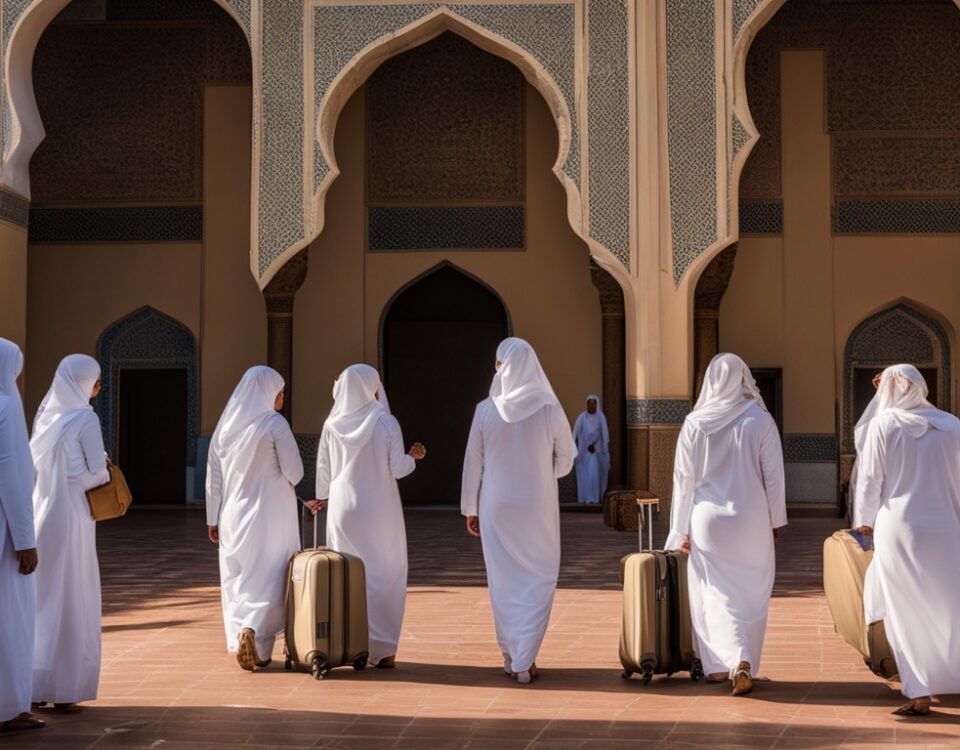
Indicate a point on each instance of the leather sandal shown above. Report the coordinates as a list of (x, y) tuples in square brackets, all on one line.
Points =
[(915, 707), (247, 656), (742, 682), (22, 723), (387, 662)]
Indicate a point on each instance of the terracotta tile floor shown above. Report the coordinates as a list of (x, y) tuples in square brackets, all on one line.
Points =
[(168, 683)]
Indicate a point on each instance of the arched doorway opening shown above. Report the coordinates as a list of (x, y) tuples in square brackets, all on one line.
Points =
[(439, 337)]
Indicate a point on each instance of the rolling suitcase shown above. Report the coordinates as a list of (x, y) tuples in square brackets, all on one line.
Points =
[(846, 557), (656, 635), (326, 611)]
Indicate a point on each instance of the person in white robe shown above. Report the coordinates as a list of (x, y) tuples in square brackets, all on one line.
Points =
[(69, 458), (520, 444), (592, 436), (252, 469), (908, 498), (859, 441), (359, 460), (728, 503), (18, 551)]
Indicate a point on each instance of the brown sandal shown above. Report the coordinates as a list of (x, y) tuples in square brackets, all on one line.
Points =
[(742, 682), (915, 707), (387, 662), (66, 708), (22, 723), (247, 656)]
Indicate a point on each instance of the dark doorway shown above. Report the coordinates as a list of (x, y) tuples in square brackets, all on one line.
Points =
[(440, 339), (153, 434), (770, 384)]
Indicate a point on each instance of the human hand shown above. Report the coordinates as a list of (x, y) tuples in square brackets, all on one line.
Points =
[(27, 559), (315, 506), (473, 525), (685, 544), (866, 530), (213, 534), (417, 451)]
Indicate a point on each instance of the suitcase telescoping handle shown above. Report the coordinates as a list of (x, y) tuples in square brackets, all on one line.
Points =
[(316, 523), (646, 504)]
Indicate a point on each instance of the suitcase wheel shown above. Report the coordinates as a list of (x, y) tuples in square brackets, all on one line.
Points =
[(696, 670), (626, 674), (287, 664), (319, 667), (360, 663), (647, 673)]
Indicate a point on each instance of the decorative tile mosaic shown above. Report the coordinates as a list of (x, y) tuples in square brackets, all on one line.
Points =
[(657, 411), (887, 165), (761, 216), (810, 448), (608, 125), (918, 216), (742, 10), (308, 445), (281, 209), (146, 339), (161, 10), (691, 129), (445, 227), (739, 138), (14, 209), (140, 224), (897, 334)]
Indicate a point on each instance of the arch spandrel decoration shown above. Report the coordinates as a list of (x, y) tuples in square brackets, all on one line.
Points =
[(146, 339), (900, 333)]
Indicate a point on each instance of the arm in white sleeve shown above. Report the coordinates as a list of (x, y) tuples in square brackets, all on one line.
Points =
[(472, 469), (94, 454), (870, 475), (401, 464), (214, 487), (288, 452), (322, 489), (771, 467), (15, 492), (684, 486), (564, 449)]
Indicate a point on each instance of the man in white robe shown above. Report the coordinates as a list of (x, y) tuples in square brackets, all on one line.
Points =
[(592, 436), (359, 460), (908, 498), (252, 469), (18, 551), (520, 444), (728, 503)]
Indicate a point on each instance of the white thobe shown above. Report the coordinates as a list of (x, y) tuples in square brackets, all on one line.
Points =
[(365, 519), (728, 495), (66, 661), (256, 515), (909, 492), (18, 593), (510, 477), (592, 469)]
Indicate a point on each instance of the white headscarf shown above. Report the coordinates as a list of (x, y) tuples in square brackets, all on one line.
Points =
[(520, 387), (356, 409), (903, 393), (728, 391), (245, 418), (16, 463)]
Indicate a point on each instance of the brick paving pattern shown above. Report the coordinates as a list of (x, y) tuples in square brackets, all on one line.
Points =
[(168, 684)]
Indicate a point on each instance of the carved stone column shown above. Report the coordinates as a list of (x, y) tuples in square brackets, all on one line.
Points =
[(711, 287), (279, 295), (614, 369)]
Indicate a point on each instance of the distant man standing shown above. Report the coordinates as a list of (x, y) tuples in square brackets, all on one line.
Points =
[(592, 436)]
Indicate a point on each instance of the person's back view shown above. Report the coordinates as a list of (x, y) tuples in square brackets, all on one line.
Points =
[(520, 443)]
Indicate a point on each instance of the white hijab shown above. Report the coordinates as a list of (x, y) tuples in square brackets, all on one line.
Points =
[(591, 422), (245, 418), (356, 409), (16, 463), (520, 387), (903, 393), (728, 391)]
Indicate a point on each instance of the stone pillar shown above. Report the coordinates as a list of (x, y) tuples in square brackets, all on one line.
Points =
[(279, 295), (711, 287), (614, 369)]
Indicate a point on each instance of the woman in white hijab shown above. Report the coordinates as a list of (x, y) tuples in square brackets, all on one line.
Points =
[(520, 444), (908, 497), (18, 553), (728, 502), (69, 458), (592, 436), (359, 461), (252, 468)]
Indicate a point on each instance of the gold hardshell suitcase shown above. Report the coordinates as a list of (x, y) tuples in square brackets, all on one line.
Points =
[(326, 611), (845, 563)]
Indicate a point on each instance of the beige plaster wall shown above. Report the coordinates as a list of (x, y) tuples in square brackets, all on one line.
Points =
[(234, 325), (74, 292), (546, 289), (13, 284)]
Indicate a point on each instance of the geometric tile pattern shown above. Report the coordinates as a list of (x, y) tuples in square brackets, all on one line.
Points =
[(308, 445), (884, 165), (820, 448), (445, 227), (691, 129), (608, 123), (146, 339), (888, 216), (761, 216), (14, 209), (135, 224), (657, 411)]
